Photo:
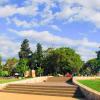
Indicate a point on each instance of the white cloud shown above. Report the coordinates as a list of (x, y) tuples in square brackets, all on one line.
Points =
[(86, 43), (7, 11), (9, 48), (24, 23), (27, 10), (55, 27), (29, 24), (21, 23), (51, 38), (10, 10), (31, 8), (86, 53), (70, 10), (84, 10)]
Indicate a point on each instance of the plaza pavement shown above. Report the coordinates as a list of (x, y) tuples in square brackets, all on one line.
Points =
[(15, 96)]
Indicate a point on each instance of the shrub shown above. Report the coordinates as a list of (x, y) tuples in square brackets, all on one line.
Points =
[(4, 73), (39, 71)]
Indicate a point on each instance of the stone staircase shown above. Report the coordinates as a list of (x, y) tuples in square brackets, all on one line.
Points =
[(46, 88)]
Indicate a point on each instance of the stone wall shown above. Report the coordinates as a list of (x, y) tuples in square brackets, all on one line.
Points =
[(89, 93)]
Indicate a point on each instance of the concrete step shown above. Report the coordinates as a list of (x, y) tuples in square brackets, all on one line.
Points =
[(41, 90), (42, 93), (41, 86), (55, 86), (69, 91)]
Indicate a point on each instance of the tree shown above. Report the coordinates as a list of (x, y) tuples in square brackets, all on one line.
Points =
[(98, 54), (25, 51), (10, 65), (33, 61), (4, 73), (39, 71), (1, 68), (39, 55), (62, 60), (22, 66), (0, 61), (50, 63), (91, 67), (37, 58)]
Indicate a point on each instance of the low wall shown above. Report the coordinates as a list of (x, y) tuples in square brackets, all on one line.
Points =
[(26, 81), (89, 93)]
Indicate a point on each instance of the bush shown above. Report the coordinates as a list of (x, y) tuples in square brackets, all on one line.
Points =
[(0, 73), (4, 73), (39, 71), (22, 67)]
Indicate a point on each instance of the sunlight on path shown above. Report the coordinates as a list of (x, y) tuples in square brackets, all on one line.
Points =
[(11, 96)]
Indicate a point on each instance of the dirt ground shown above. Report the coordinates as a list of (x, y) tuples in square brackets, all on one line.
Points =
[(15, 96)]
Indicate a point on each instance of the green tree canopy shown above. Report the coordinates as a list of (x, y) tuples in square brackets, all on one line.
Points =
[(39, 55), (0, 61), (62, 60), (22, 66), (92, 66), (10, 65), (39, 71), (25, 51), (98, 54)]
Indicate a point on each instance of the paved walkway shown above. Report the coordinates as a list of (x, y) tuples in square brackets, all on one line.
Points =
[(15, 96)]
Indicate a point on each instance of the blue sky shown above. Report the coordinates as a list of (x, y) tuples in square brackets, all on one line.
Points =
[(54, 23)]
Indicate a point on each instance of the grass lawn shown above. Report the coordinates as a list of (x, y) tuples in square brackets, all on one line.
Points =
[(93, 84), (5, 80)]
